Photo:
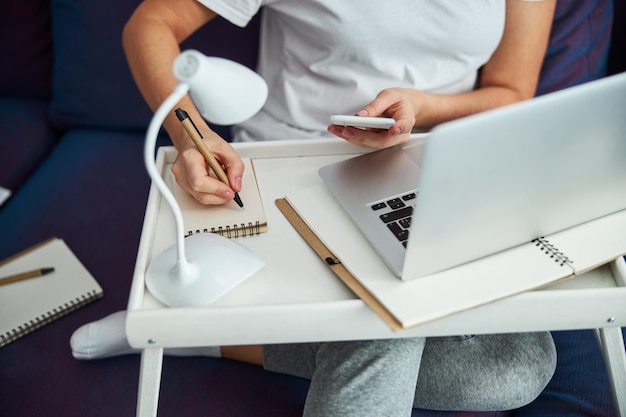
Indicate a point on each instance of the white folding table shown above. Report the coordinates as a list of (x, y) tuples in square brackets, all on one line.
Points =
[(296, 298)]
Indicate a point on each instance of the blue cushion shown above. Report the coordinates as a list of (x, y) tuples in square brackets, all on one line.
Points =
[(26, 48), (579, 44), (93, 86), (90, 191), (26, 138)]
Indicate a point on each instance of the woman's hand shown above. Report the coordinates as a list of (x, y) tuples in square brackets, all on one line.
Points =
[(398, 103), (191, 171)]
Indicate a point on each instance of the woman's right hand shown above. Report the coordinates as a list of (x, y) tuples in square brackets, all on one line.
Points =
[(192, 172)]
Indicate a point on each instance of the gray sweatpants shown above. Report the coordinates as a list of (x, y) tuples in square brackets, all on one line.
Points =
[(389, 377)]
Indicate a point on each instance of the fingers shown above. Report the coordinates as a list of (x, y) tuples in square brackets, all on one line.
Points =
[(232, 163), (192, 175), (395, 103), (385, 100), (372, 138)]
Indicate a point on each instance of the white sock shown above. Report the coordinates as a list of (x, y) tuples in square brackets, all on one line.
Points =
[(107, 337)]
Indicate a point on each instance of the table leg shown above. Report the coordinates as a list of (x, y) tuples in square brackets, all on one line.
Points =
[(612, 345), (149, 382)]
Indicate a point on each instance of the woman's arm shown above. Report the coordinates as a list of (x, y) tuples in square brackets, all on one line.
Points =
[(151, 41), (510, 75)]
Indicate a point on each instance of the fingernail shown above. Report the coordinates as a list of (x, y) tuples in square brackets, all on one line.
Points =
[(238, 183), (228, 194), (349, 132), (361, 113)]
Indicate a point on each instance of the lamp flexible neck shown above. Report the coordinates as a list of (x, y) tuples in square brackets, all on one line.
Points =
[(149, 148)]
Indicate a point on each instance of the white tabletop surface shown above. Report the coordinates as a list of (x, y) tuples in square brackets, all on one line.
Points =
[(296, 298)]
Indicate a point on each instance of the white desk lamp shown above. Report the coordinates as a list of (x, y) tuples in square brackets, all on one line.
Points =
[(200, 268)]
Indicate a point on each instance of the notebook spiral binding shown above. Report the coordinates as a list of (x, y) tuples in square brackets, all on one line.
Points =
[(234, 231), (48, 317), (549, 249)]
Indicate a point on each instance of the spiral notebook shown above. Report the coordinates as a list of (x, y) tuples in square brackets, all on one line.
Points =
[(229, 219), (30, 304)]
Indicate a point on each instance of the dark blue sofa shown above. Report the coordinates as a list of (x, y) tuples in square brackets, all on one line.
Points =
[(71, 152)]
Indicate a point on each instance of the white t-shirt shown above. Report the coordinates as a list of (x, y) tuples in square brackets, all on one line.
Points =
[(322, 57)]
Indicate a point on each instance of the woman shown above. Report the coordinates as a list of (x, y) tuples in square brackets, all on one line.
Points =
[(421, 63)]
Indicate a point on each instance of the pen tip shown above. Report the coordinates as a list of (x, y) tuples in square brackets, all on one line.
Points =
[(238, 200), (45, 271)]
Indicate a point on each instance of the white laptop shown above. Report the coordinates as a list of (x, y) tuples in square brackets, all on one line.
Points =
[(491, 181)]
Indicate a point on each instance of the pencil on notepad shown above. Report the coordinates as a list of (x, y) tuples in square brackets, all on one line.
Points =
[(196, 137), (25, 275)]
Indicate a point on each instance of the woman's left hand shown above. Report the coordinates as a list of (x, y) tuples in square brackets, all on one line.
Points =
[(396, 103)]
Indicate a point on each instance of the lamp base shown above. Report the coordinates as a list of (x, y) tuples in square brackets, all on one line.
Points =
[(214, 266)]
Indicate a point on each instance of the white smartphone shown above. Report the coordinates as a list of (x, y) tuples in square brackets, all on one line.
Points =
[(362, 121)]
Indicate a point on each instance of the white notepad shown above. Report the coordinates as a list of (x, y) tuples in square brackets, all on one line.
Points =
[(228, 219), (30, 304)]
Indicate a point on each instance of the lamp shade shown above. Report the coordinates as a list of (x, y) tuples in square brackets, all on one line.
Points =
[(224, 92)]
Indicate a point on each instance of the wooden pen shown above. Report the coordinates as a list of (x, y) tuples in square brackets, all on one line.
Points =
[(196, 137), (25, 275)]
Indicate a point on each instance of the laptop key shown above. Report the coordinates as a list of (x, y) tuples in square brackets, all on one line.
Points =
[(396, 215), (395, 203), (378, 206), (405, 223), (400, 233)]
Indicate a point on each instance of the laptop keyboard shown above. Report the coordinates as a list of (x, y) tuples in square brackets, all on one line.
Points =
[(396, 214)]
